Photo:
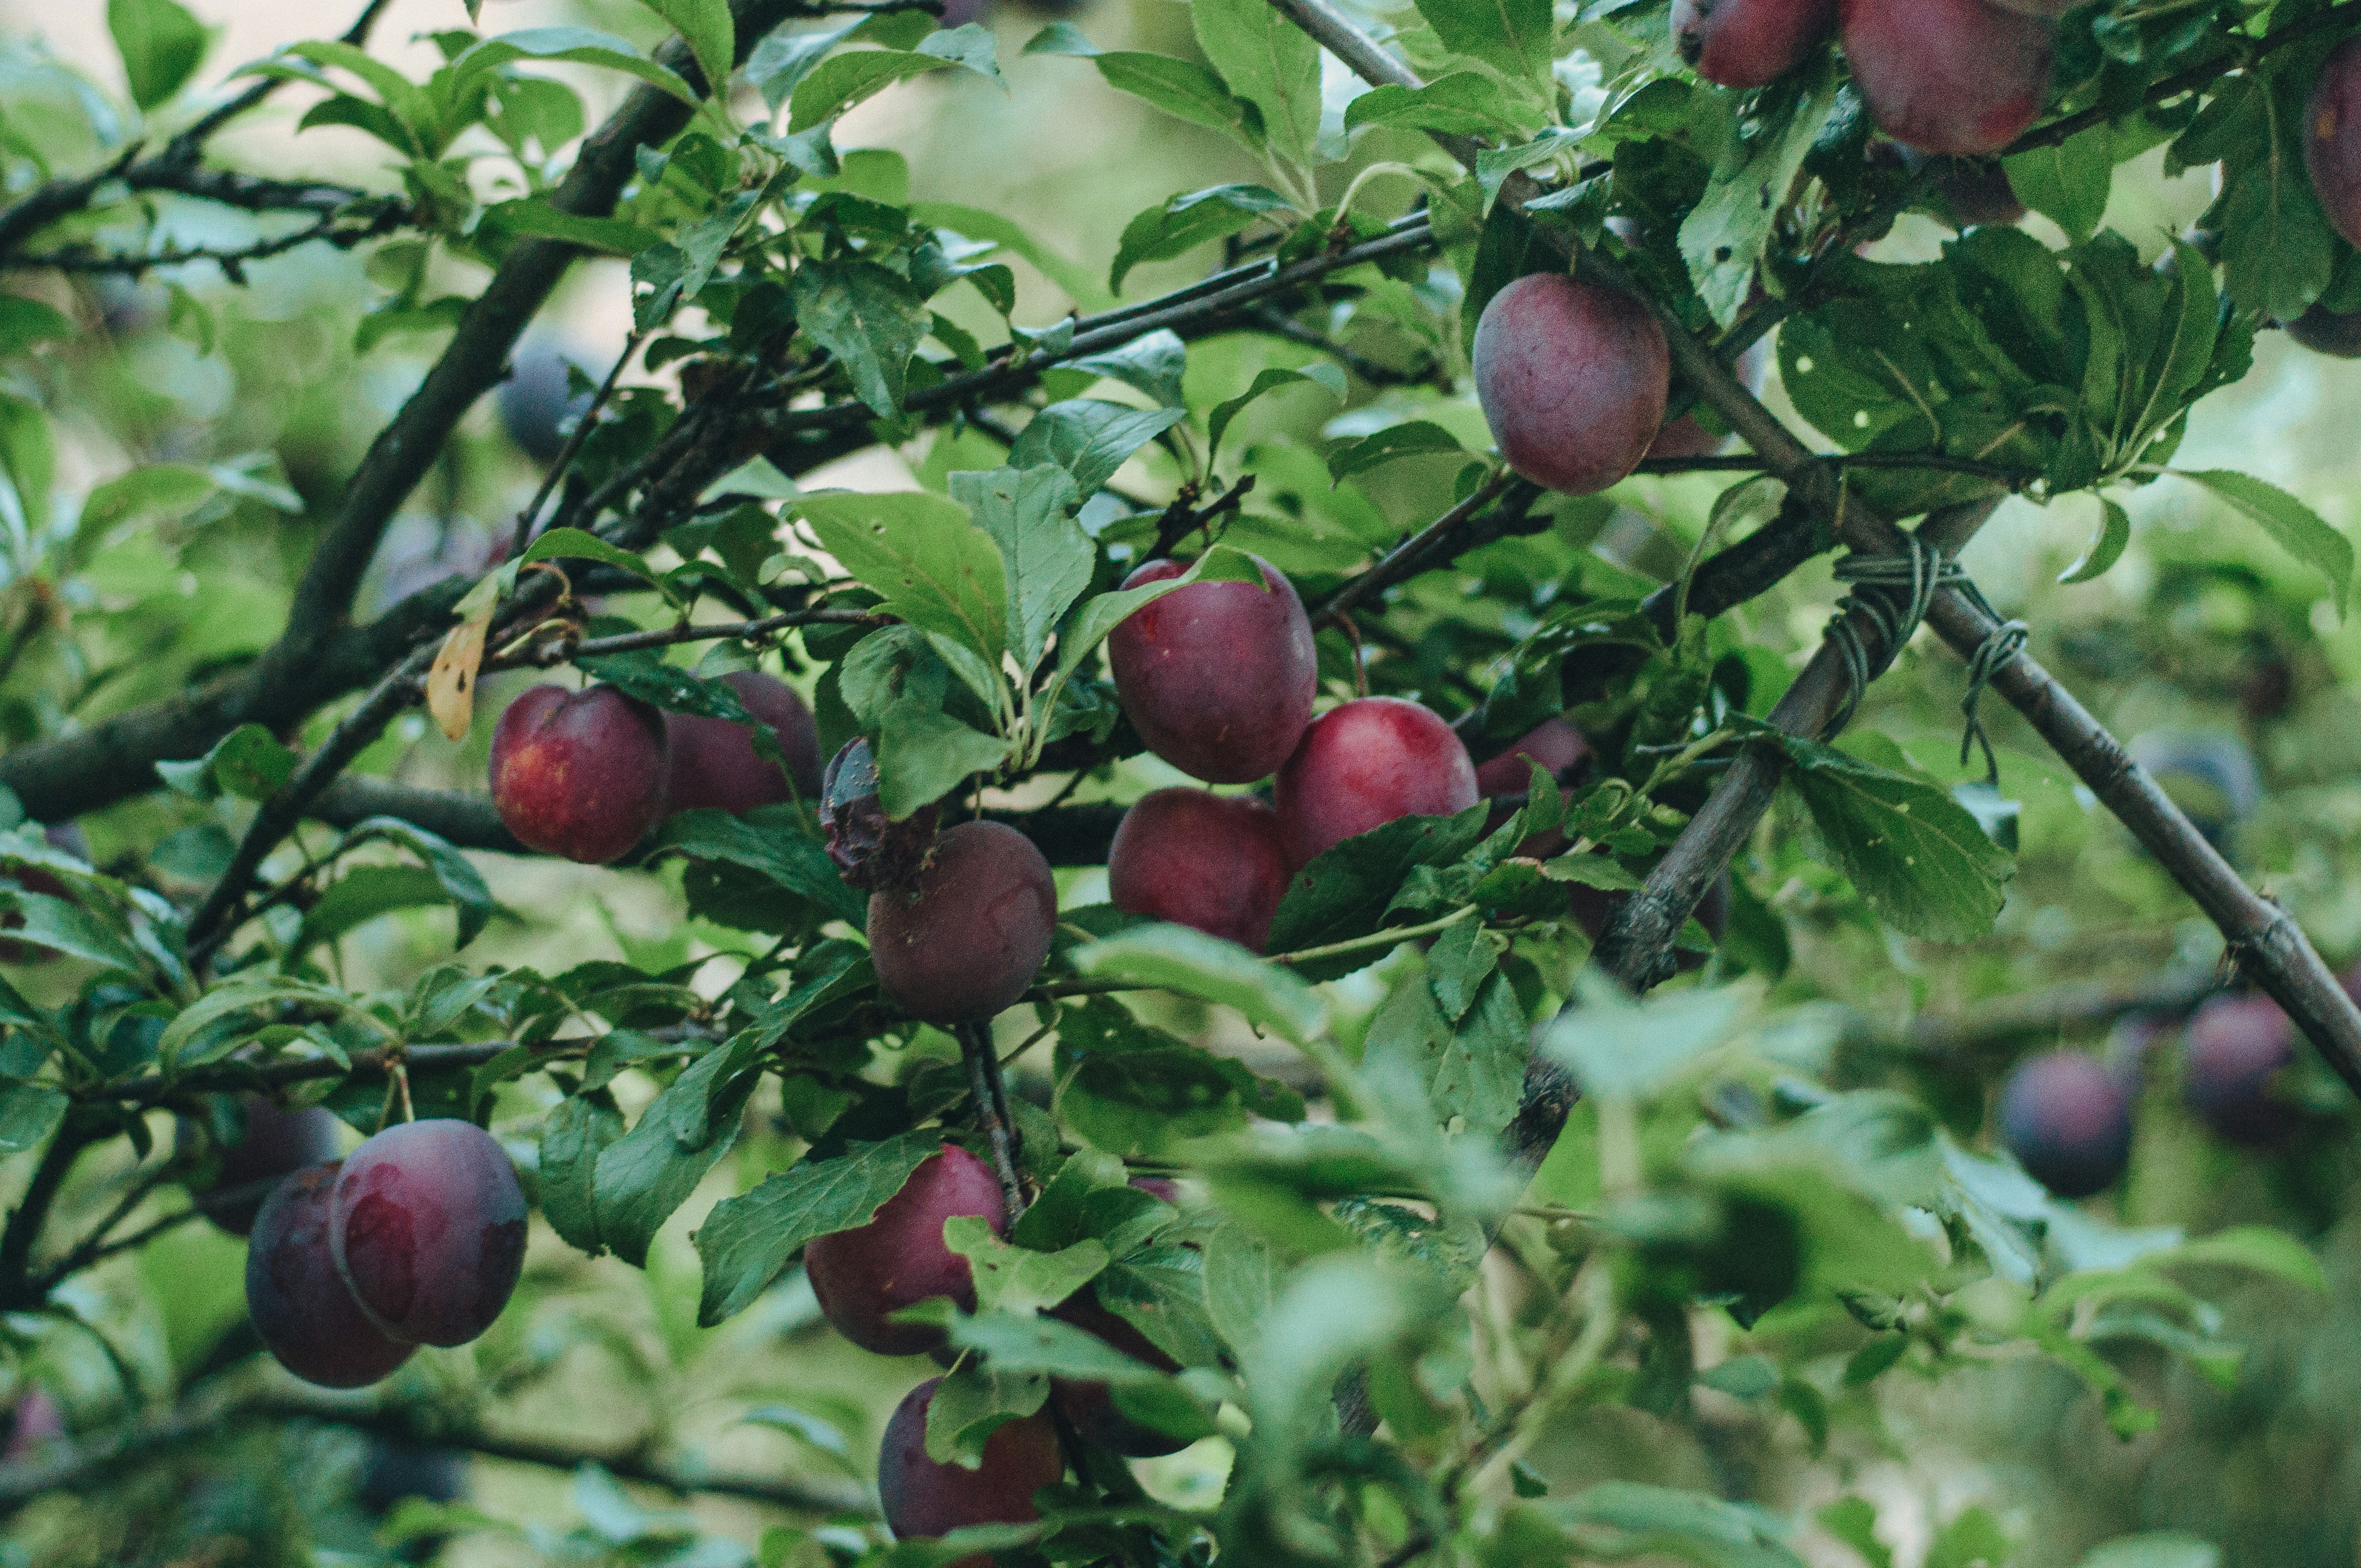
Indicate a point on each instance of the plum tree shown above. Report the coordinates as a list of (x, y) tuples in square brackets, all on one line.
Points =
[(1090, 1406), (1592, 908), (270, 1143), (923, 1499), (2068, 1122), (964, 941), (1217, 677), (537, 403), (583, 775), (714, 762), (1362, 764), (1572, 377), (297, 1296), (2332, 138), (1957, 76), (1213, 862), (863, 1276), (2234, 1051), (1749, 43), (428, 1230)]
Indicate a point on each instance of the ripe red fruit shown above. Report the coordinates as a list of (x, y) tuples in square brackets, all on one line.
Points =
[(297, 1298), (428, 1229), (2332, 137), (581, 774), (1208, 861), (1363, 763), (864, 1276), (1555, 743), (2236, 1047), (1958, 76), (922, 1498), (963, 941), (1217, 677), (1090, 1406), (274, 1144), (1573, 379), (714, 762), (2068, 1122), (1749, 43)]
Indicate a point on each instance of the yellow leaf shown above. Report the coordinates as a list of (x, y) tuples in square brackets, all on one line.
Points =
[(451, 684)]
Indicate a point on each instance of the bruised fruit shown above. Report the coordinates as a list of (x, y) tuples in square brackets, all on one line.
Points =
[(922, 1498), (863, 1276), (2332, 138), (297, 1298), (581, 774), (1217, 677), (2068, 1122), (271, 1144), (2236, 1048), (714, 762), (1957, 76), (1090, 1406), (1749, 43), (1573, 378), (428, 1230), (1197, 859), (963, 941), (1363, 763)]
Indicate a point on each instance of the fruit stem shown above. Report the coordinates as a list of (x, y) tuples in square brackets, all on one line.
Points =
[(991, 1094)]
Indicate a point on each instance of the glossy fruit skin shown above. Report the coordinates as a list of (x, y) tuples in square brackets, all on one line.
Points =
[(429, 1229), (1362, 764), (1957, 76), (898, 1259), (1218, 677), (2336, 334), (1573, 378), (298, 1300), (2332, 137), (714, 762), (963, 942), (2237, 1045), (583, 775), (1749, 43), (1198, 859), (2068, 1122), (1090, 1406), (276, 1143), (922, 1498)]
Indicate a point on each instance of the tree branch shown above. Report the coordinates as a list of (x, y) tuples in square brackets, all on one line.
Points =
[(330, 227)]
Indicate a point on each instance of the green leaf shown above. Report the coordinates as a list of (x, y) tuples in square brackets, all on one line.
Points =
[(1910, 848), (2298, 531), (1089, 438), (923, 754), (1152, 364), (29, 1113), (643, 674), (792, 859), (363, 893), (1047, 1346), (1327, 378), (974, 1400), (1080, 285), (1633, 1048), (1724, 234), (573, 1135), (1343, 894), (1134, 1090), (1178, 958), (1853, 1520), (841, 81), (711, 35), (1018, 1280), (2105, 548), (1103, 613), (537, 216), (2067, 183), (573, 543), (934, 567), (1461, 103), (870, 319), (1181, 223), (1471, 1063), (2258, 1248), (24, 323), (2159, 1549), (747, 1240), (1630, 1518), (1184, 90), (651, 1171), (161, 46), (1413, 438), (1044, 553), (248, 763), (571, 46), (1516, 37), (1267, 60)]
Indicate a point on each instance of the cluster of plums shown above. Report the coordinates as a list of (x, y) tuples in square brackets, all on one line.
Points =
[(2067, 1116), (587, 773), (416, 1237)]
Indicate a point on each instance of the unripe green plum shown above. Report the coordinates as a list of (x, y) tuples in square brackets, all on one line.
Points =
[(863, 1276), (923, 1499), (962, 942), (1573, 378), (1957, 76), (1217, 677), (583, 775), (1749, 43), (1198, 859), (1363, 763)]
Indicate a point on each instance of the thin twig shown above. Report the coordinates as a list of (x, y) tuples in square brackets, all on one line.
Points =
[(1438, 537), (990, 1096), (565, 454)]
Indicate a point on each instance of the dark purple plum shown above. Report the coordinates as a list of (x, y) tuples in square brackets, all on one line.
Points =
[(863, 1276), (2332, 138), (1217, 677), (583, 775), (298, 1300), (714, 762), (1197, 859), (2236, 1050), (1572, 377), (2336, 334), (1363, 763), (537, 403), (1955, 76), (1090, 1406), (428, 1229), (2068, 1122), (964, 940), (271, 1143), (923, 1499), (1555, 743), (33, 1422), (1749, 43)]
